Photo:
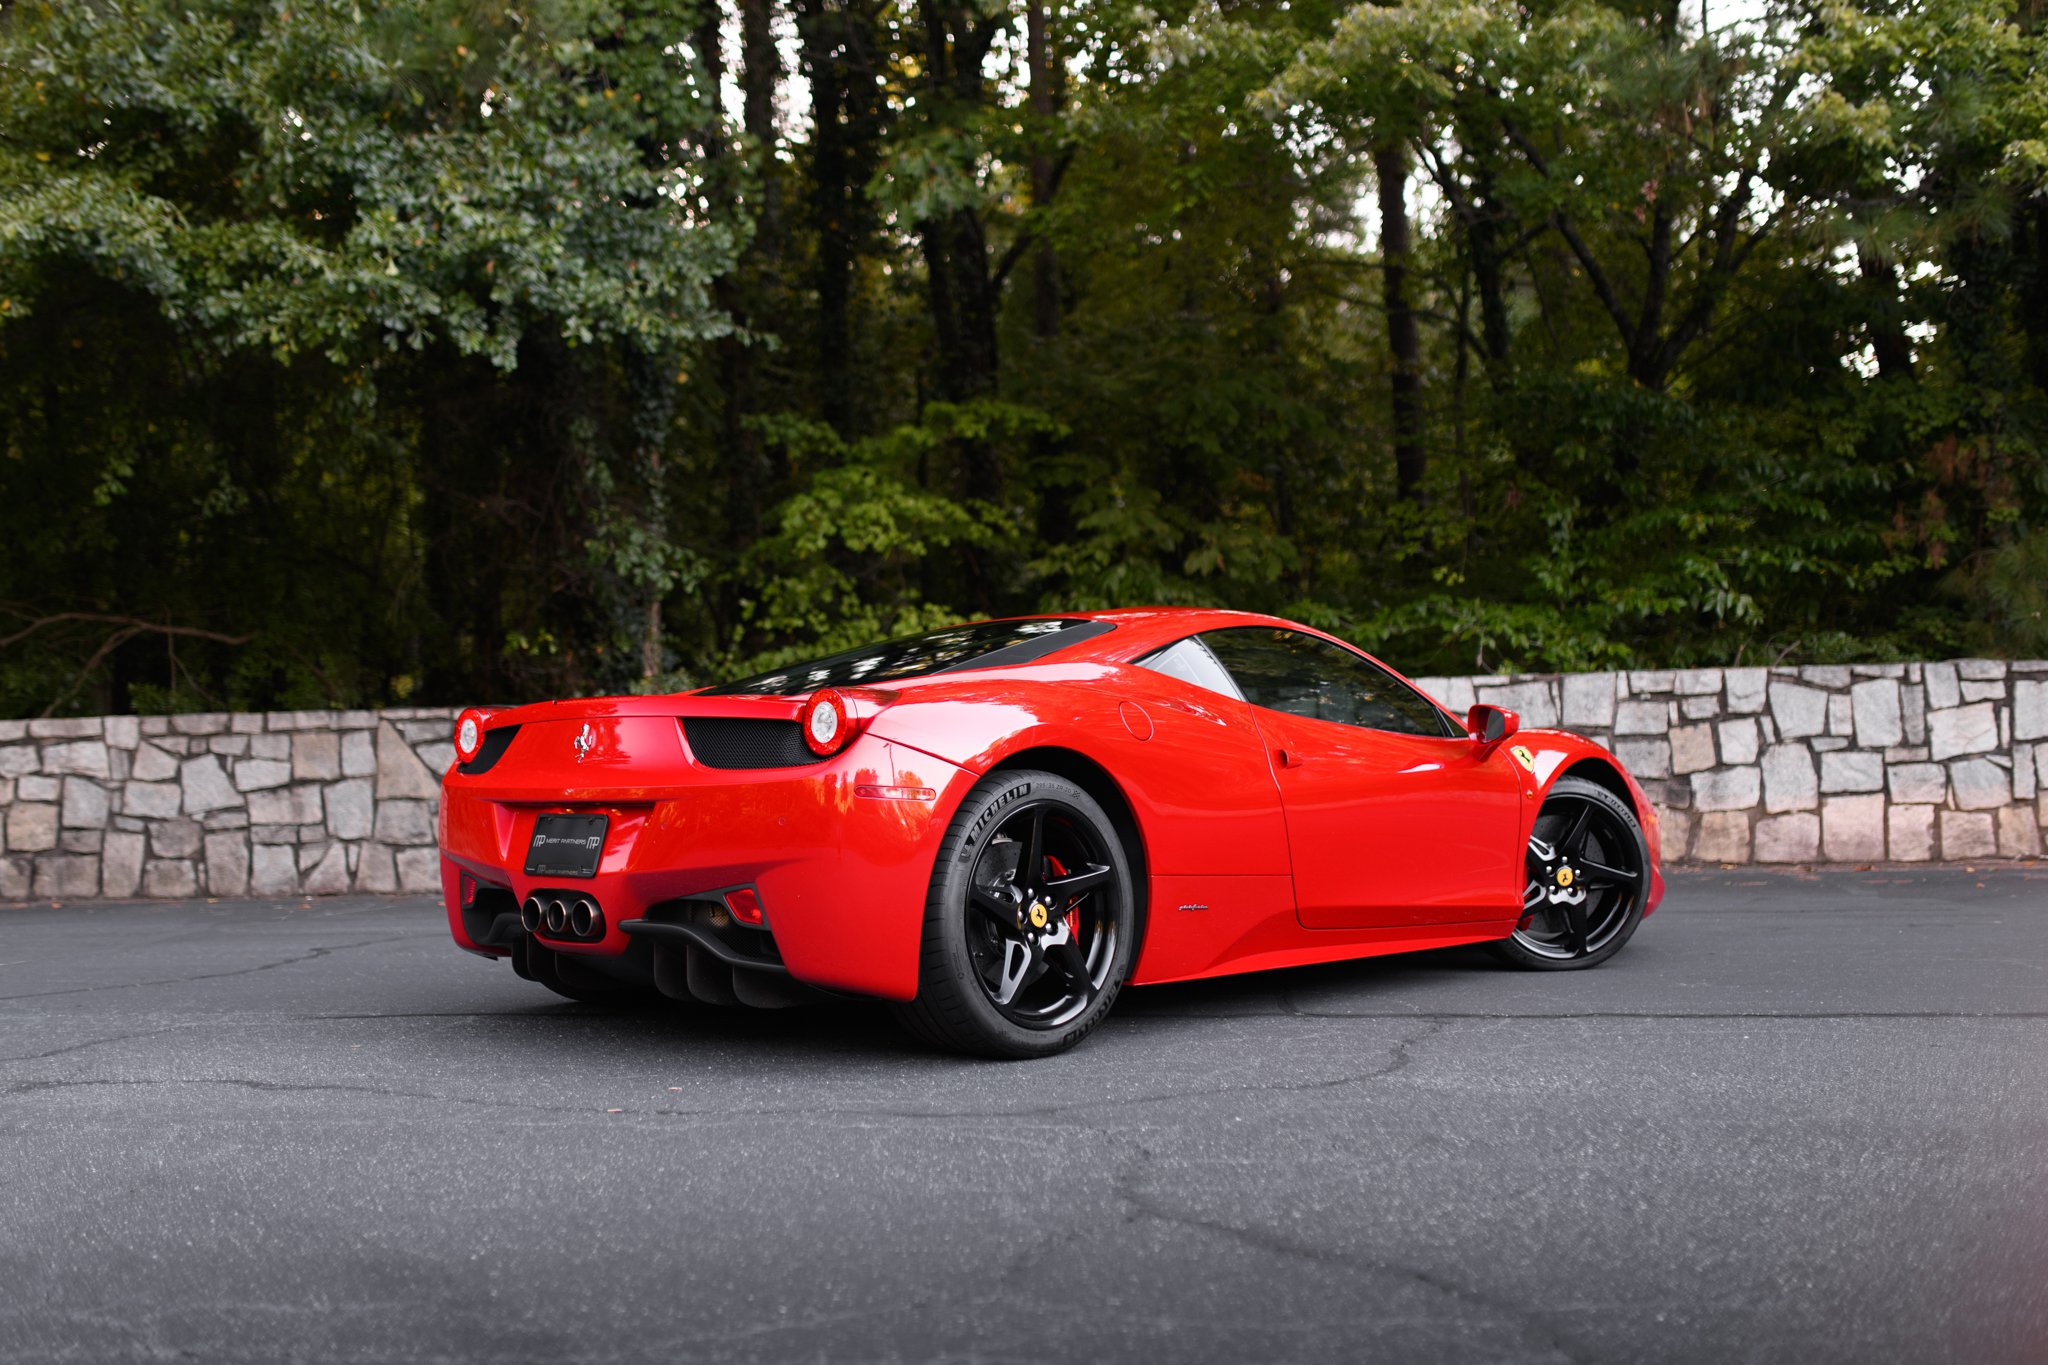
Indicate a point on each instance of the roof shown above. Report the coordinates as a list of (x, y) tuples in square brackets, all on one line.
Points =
[(1142, 629)]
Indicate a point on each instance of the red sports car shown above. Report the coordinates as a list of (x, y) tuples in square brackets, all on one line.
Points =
[(1000, 825)]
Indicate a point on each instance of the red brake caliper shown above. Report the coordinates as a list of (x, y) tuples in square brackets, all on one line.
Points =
[(1059, 869)]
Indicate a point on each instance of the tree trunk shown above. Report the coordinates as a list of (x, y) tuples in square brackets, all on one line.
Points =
[(760, 275), (733, 361), (1045, 270), (824, 40), (959, 287), (711, 56), (1390, 166), (1483, 234), (651, 403), (964, 326), (2033, 248), (761, 79)]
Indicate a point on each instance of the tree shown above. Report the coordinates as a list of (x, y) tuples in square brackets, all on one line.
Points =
[(485, 214), (443, 352)]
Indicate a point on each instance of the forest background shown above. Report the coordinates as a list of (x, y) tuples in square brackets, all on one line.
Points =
[(458, 350)]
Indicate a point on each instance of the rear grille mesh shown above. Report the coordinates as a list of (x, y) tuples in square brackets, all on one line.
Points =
[(733, 742), (490, 751)]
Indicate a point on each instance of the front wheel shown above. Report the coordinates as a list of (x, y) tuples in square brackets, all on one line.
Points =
[(1588, 880), (1030, 927)]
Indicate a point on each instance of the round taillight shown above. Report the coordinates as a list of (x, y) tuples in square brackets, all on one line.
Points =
[(469, 735), (824, 722)]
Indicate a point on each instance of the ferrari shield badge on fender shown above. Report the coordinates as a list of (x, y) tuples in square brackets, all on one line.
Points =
[(1524, 757)]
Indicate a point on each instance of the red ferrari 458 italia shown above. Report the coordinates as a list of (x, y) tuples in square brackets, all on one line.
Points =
[(1000, 825)]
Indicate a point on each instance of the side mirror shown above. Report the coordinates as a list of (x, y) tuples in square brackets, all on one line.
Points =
[(1491, 724)]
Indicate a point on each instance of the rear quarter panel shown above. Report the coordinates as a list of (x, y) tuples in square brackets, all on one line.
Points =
[(1190, 763)]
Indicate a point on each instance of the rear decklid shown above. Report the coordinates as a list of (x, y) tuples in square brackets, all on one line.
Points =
[(627, 749)]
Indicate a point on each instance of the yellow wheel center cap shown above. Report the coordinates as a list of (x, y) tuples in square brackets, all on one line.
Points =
[(1037, 915), (1564, 876)]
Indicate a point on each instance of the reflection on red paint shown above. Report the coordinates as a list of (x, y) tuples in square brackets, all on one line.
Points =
[(844, 846)]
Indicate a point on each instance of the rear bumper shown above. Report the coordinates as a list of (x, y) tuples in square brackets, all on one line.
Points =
[(842, 877)]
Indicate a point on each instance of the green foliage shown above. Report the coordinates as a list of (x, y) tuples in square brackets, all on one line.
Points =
[(445, 351), (842, 563), (300, 250), (352, 179)]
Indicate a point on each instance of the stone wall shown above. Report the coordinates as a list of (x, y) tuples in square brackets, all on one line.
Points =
[(1838, 764), (1865, 763), (290, 803)]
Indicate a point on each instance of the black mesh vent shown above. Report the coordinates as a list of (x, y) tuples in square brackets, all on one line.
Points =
[(731, 742), (490, 751)]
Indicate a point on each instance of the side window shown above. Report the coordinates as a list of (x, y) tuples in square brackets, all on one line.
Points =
[(1284, 670), (1191, 662)]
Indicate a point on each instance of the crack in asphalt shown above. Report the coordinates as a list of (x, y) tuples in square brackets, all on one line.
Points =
[(312, 956), (34, 1087), (1127, 1186), (1400, 1056), (1398, 1059), (1536, 1332), (93, 1043)]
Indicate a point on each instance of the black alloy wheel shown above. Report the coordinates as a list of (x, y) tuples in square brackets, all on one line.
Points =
[(1588, 880), (1030, 927)]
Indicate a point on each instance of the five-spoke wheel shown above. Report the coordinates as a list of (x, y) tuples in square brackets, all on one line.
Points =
[(1588, 876), (1031, 921)]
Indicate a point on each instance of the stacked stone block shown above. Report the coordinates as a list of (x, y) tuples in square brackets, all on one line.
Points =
[(1816, 764), (285, 804)]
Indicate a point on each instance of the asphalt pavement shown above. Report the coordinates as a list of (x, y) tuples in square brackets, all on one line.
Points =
[(1800, 1118)]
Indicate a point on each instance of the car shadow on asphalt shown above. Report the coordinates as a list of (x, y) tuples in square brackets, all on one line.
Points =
[(851, 1027), (1274, 992)]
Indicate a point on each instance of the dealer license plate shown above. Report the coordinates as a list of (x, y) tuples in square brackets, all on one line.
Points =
[(566, 845)]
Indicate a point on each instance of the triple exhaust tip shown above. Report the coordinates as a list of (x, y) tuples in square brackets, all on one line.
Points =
[(577, 916)]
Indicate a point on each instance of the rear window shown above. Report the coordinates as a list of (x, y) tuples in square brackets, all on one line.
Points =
[(985, 644)]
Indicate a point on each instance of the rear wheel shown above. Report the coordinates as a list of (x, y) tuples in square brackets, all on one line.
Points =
[(1030, 926), (1588, 879)]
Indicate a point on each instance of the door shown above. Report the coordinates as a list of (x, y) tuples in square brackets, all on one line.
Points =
[(1393, 816)]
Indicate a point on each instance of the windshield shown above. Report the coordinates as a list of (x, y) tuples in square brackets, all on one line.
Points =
[(985, 644)]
